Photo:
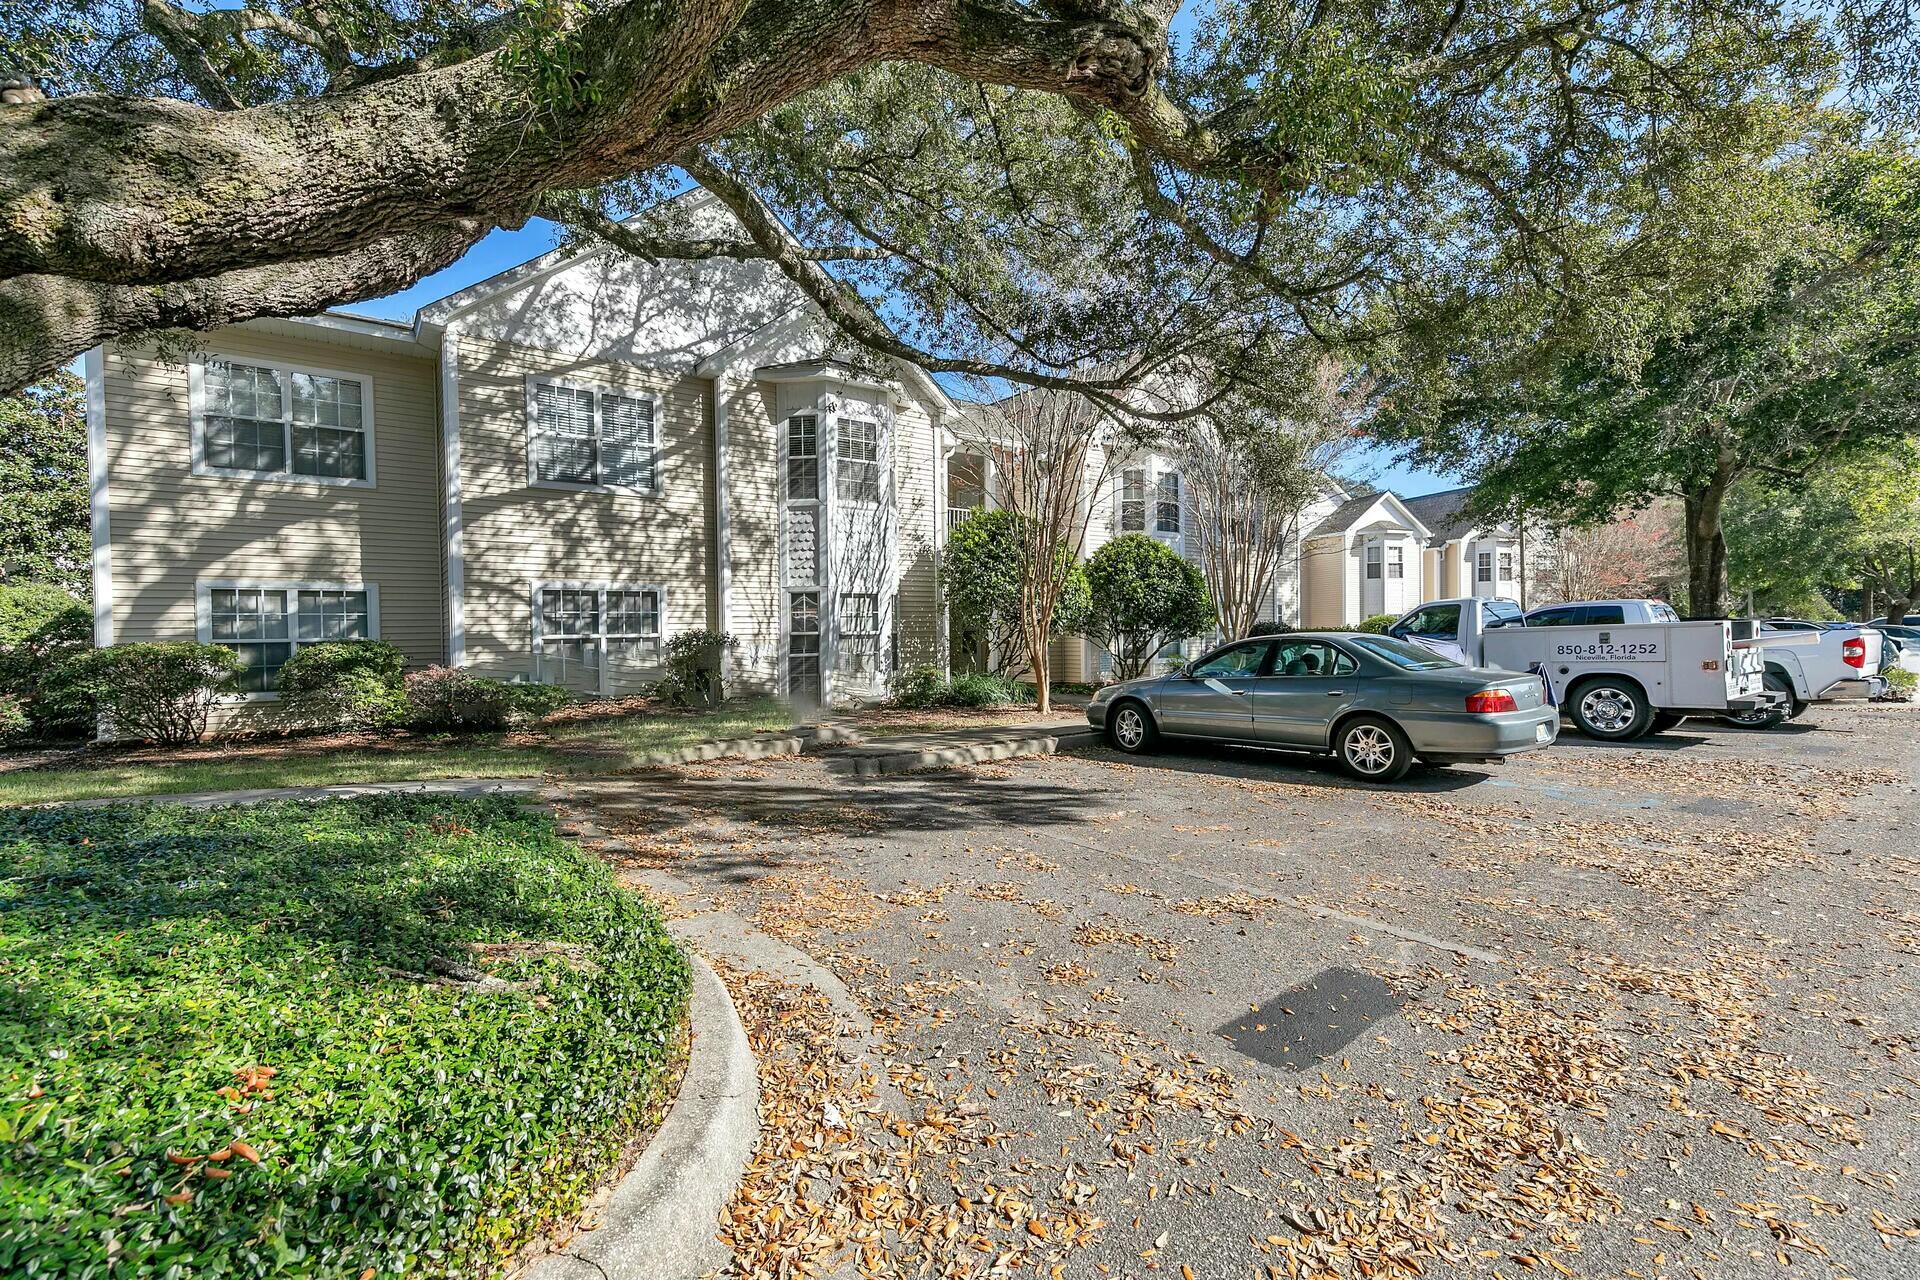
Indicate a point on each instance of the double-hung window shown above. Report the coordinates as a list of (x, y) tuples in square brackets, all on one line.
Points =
[(859, 632), (1166, 507), (1396, 561), (857, 461), (266, 623), (593, 437), (1374, 552), (585, 632), (1506, 566), (1483, 566), (1133, 500), (253, 418)]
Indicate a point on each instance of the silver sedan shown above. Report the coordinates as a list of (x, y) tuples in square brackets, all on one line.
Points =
[(1374, 703)]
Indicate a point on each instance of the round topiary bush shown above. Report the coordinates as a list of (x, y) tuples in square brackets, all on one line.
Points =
[(345, 684), (1378, 623)]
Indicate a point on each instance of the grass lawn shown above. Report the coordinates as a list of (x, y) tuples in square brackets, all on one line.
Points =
[(564, 745), (350, 1038)]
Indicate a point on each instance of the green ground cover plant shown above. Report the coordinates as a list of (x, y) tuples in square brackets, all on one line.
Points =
[(356, 1037)]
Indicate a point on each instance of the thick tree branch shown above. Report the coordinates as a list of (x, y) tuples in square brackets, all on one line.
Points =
[(44, 315)]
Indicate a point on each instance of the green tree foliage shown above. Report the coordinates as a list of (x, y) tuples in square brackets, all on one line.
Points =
[(1145, 596), (1062, 194), (44, 535), (42, 629), (1792, 333), (1793, 546), (982, 573)]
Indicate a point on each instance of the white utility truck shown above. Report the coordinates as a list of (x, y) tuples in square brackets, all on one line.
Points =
[(1619, 669)]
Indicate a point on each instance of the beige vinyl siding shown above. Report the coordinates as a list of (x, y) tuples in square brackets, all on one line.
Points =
[(1324, 565), (515, 534), (172, 529), (753, 519), (916, 472)]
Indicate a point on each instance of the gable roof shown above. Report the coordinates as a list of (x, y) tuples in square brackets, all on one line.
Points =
[(1354, 509), (1445, 514)]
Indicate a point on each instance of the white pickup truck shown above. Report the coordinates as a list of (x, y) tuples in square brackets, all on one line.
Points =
[(1809, 662), (1619, 668)]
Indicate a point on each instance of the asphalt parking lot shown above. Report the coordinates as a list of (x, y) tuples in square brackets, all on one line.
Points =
[(1635, 1011)]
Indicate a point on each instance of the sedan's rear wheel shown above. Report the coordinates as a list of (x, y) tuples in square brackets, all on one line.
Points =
[(1131, 729), (1373, 749)]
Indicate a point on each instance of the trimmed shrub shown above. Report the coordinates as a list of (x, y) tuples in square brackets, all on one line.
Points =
[(453, 699), (1378, 623), (345, 684), (693, 668), (984, 691), (533, 702), (981, 570), (1145, 596), (42, 628), (390, 1035), (1269, 629), (922, 686), (155, 692)]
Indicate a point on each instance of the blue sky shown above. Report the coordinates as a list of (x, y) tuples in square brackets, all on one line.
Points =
[(504, 249)]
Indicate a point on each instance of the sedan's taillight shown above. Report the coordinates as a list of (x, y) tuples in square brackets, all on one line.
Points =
[(1490, 700), (1854, 652)]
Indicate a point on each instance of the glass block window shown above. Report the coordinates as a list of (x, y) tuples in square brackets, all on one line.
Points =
[(859, 632), (265, 625), (1133, 501), (599, 438), (1166, 506), (273, 421), (803, 458), (857, 461)]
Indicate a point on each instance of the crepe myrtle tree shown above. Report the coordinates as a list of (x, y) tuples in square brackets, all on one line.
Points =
[(1035, 188)]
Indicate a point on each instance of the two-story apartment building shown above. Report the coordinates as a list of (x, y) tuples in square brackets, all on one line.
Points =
[(549, 474)]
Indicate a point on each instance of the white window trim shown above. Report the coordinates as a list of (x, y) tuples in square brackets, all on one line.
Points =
[(1395, 558), (878, 462), (197, 403), (1120, 500), (600, 639), (1179, 503), (203, 614), (596, 390)]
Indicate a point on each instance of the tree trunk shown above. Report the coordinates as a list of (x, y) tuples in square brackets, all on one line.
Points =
[(1707, 544)]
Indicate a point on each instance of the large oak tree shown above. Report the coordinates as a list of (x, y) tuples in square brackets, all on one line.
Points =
[(1006, 188)]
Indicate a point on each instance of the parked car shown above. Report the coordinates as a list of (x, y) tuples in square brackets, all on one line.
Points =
[(1810, 662), (1620, 668), (1374, 703), (1909, 620)]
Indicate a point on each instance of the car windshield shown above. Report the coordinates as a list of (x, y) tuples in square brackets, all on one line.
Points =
[(1408, 657)]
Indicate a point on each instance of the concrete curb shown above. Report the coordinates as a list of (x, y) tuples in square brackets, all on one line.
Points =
[(662, 1219), (881, 761), (263, 795), (758, 747)]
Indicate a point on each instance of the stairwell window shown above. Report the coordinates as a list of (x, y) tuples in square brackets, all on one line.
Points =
[(1396, 562), (1133, 500), (857, 461), (1374, 553), (1506, 566), (259, 419), (593, 437), (803, 457), (266, 623), (1166, 506), (1483, 566)]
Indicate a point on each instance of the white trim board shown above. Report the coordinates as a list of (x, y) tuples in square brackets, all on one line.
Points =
[(99, 497), (453, 548)]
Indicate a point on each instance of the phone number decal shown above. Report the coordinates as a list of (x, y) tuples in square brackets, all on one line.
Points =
[(1628, 651)]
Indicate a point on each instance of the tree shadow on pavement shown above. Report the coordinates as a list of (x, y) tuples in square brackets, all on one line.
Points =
[(1232, 761)]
